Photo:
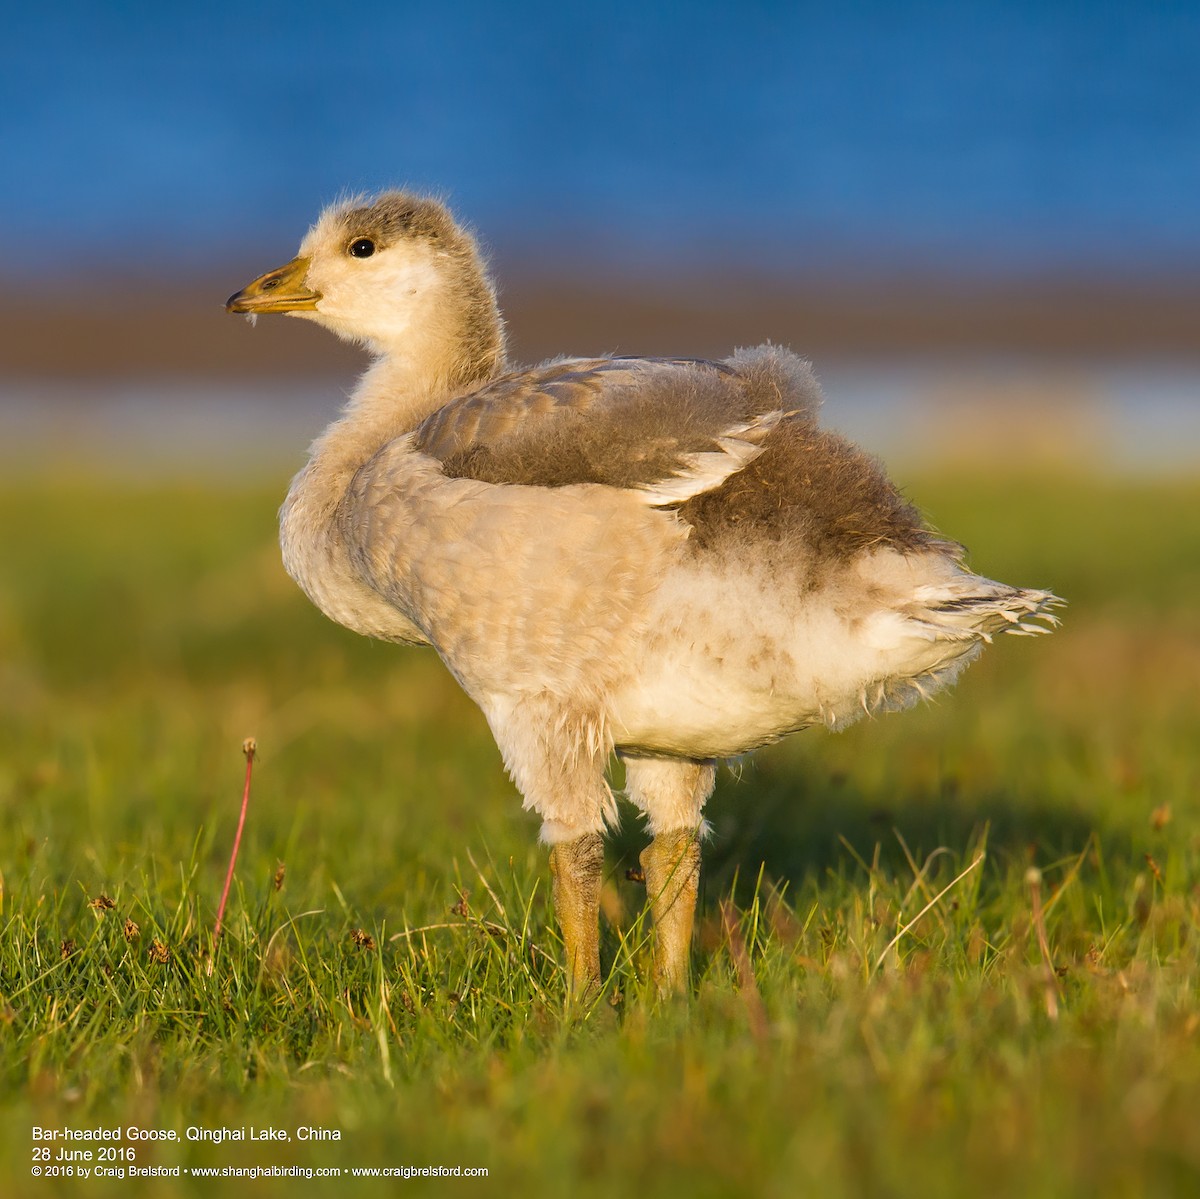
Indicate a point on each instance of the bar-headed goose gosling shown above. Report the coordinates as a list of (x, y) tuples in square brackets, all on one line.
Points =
[(664, 557)]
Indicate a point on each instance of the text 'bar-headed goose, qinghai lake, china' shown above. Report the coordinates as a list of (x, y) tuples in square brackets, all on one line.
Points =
[(663, 557)]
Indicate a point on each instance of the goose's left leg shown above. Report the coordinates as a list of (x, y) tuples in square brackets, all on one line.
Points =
[(557, 756), (672, 792), (577, 870)]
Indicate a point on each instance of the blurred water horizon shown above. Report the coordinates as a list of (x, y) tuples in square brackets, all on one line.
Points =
[(1118, 418)]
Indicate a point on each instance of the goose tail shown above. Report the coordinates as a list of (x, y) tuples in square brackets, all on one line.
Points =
[(972, 608)]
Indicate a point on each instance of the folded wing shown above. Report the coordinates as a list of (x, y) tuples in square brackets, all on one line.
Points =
[(669, 428)]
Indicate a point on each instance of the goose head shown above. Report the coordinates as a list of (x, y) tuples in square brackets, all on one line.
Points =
[(397, 274)]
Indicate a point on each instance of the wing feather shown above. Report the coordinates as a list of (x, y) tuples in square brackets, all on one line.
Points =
[(669, 428)]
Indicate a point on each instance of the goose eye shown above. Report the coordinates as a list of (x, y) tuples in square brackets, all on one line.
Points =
[(362, 247)]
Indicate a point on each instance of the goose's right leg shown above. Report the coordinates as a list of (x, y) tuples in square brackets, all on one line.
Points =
[(672, 792)]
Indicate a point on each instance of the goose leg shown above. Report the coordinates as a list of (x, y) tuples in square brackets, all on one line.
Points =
[(671, 864), (557, 754), (672, 793), (577, 869)]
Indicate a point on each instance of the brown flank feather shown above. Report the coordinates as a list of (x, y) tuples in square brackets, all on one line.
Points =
[(812, 487)]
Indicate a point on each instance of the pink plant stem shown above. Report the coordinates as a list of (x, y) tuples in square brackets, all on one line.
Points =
[(248, 748)]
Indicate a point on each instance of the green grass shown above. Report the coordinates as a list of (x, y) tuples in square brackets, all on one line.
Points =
[(145, 632)]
